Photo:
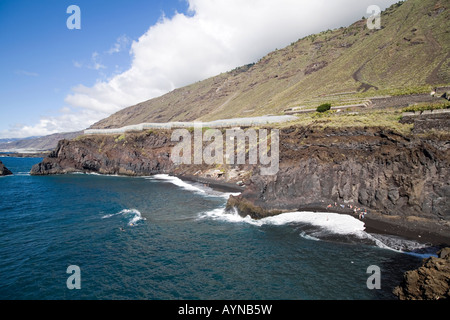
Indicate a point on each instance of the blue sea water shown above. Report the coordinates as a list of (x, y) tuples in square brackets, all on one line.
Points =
[(162, 238)]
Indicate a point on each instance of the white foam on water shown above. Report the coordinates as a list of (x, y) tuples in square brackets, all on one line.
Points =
[(205, 191), (178, 182), (133, 216), (306, 236), (221, 215), (397, 244), (331, 223), (21, 173), (99, 174)]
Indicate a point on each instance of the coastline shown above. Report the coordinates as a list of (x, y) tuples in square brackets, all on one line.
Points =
[(213, 183), (314, 172), (425, 232), (24, 155), (430, 233)]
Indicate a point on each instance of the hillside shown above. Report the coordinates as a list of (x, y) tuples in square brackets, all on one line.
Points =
[(36, 144), (409, 54)]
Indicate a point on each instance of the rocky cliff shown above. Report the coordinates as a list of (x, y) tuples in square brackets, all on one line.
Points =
[(402, 180), (3, 170), (398, 179), (429, 282), (135, 154), (373, 167)]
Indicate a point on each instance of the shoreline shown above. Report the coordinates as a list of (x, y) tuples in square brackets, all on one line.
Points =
[(213, 183), (42, 154), (376, 223), (429, 233)]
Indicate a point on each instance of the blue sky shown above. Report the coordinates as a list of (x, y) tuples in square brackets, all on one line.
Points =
[(54, 79), (41, 59)]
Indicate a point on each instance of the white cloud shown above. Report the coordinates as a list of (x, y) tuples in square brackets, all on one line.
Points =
[(121, 44), (65, 122), (96, 65), (215, 36), (26, 73), (77, 64)]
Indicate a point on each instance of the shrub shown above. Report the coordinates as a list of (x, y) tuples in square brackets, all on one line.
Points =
[(324, 107), (120, 138), (423, 107)]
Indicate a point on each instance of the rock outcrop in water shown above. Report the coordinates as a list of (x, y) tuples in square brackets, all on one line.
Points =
[(429, 282), (4, 171)]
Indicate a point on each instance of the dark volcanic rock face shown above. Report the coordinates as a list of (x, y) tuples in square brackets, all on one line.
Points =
[(133, 154), (370, 167), (374, 168), (4, 171), (403, 181), (429, 282)]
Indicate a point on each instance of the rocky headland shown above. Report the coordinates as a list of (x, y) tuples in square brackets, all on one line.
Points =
[(139, 154), (398, 184), (4, 171), (431, 281)]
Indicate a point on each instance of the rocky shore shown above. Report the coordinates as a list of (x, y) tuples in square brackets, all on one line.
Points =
[(4, 171), (25, 155), (431, 281), (403, 182)]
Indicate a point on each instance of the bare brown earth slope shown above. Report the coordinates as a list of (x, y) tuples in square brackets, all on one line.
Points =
[(409, 54)]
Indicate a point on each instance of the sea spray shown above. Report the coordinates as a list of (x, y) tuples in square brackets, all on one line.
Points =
[(334, 222), (133, 216), (194, 187), (328, 224)]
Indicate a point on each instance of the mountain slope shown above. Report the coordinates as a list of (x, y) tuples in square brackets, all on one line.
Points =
[(409, 54), (35, 144)]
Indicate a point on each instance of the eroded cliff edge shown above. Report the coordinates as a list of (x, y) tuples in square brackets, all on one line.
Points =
[(431, 281), (403, 181), (4, 171), (139, 154)]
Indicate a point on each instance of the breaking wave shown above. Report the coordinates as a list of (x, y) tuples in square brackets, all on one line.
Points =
[(321, 226), (133, 216), (193, 187)]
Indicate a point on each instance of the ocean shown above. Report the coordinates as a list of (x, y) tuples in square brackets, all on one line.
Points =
[(161, 238)]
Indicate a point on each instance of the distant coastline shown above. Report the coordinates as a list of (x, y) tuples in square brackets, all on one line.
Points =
[(24, 155)]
